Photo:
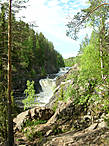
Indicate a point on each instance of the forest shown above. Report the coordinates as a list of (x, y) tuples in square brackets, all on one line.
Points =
[(33, 57), (32, 54)]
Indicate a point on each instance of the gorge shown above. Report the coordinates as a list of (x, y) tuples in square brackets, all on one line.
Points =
[(66, 122), (48, 87)]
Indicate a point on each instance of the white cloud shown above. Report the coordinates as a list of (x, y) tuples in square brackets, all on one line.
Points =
[(64, 1), (50, 16), (53, 3)]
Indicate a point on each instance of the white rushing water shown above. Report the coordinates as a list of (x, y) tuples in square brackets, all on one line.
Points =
[(48, 86)]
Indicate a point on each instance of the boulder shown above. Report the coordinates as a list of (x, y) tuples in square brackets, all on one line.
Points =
[(37, 113)]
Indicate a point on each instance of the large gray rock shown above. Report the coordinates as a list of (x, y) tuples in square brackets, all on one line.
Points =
[(94, 137), (38, 113)]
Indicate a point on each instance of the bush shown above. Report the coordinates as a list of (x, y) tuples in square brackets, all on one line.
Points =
[(30, 94)]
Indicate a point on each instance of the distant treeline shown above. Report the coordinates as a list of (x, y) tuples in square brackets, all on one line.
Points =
[(69, 62)]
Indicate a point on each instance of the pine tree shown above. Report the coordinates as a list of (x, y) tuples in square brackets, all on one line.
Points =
[(96, 15), (10, 119), (3, 73)]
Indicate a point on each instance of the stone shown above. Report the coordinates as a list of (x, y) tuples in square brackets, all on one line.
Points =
[(102, 124), (37, 113), (48, 132), (19, 120), (92, 127), (87, 118), (93, 137)]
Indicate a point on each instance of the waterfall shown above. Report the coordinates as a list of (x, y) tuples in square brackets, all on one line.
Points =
[(48, 86)]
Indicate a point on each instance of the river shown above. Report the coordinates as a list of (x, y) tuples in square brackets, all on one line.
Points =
[(48, 86)]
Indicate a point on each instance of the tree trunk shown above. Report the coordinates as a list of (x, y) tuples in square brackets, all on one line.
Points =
[(101, 59), (102, 40), (10, 118)]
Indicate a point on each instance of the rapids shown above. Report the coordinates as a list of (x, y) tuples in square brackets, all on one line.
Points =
[(48, 86)]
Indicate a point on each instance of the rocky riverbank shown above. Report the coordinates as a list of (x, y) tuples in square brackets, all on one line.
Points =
[(64, 122), (69, 125)]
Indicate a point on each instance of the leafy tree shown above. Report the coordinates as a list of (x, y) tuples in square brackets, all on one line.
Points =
[(90, 61), (84, 43), (69, 62), (30, 94), (90, 16), (96, 16), (3, 72)]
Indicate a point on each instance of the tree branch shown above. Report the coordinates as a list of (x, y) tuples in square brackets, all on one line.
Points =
[(91, 13)]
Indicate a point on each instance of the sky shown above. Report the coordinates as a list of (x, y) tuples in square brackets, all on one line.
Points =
[(51, 17)]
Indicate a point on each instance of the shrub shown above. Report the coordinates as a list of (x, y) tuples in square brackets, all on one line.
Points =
[(30, 94)]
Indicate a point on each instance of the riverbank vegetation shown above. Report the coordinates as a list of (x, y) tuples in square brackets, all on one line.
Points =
[(32, 57), (82, 97), (94, 51)]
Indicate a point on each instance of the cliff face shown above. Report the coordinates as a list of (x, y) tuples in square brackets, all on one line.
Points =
[(69, 123)]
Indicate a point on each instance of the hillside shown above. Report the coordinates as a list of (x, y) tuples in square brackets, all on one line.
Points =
[(64, 120), (39, 105)]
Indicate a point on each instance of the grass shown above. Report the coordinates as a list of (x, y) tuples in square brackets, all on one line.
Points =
[(30, 123)]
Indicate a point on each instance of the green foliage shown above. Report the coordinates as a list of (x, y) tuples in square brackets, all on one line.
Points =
[(68, 93), (107, 121), (30, 94), (87, 17), (32, 53), (87, 80), (30, 123), (61, 94), (94, 61), (43, 71), (69, 62), (18, 139), (55, 106), (3, 114), (56, 130), (29, 133), (29, 130), (90, 63)]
